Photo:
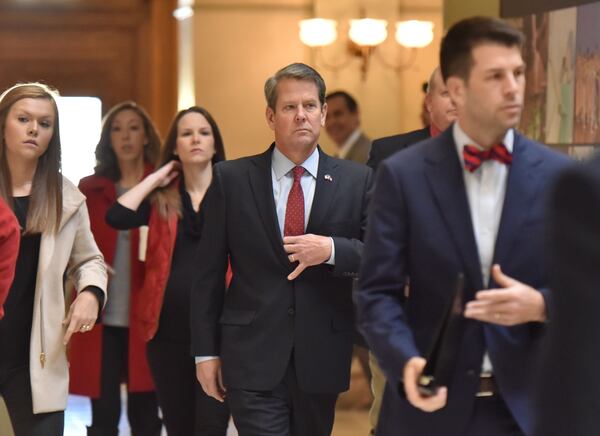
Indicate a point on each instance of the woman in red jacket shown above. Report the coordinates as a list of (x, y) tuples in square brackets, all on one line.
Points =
[(9, 249), (113, 352), (171, 208)]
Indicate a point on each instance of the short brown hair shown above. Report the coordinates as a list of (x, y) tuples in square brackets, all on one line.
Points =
[(456, 53), (298, 71)]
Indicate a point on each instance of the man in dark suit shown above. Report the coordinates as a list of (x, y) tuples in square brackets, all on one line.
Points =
[(569, 383), (470, 201), (291, 221), (343, 127), (441, 111)]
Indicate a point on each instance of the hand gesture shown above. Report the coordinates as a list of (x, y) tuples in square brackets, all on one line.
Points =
[(307, 250), (511, 304), (82, 315)]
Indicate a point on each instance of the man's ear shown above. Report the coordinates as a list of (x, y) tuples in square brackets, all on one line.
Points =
[(457, 89), (323, 114), (270, 115)]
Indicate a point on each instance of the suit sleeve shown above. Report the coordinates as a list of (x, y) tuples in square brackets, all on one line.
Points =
[(380, 296), (348, 251), (208, 292), (374, 155), (9, 251)]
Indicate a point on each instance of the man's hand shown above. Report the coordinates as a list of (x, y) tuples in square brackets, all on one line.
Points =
[(208, 374), (307, 250), (514, 303), (412, 371), (82, 315)]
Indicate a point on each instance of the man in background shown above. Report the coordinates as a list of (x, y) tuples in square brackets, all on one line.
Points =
[(441, 112), (343, 127)]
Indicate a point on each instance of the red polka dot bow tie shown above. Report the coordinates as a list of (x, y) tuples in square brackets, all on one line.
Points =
[(475, 156)]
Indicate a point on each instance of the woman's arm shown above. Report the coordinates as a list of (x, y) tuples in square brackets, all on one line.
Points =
[(132, 209), (158, 179), (87, 270)]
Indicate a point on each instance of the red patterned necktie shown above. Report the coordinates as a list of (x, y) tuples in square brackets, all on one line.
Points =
[(474, 156), (294, 212)]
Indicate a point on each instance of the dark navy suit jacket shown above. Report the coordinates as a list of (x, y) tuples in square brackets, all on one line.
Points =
[(420, 228), (383, 148)]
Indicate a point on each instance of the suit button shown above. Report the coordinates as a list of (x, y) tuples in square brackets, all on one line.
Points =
[(471, 373), (291, 311)]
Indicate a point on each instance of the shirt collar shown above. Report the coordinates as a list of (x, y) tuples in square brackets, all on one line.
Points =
[(282, 165), (345, 148), (461, 139)]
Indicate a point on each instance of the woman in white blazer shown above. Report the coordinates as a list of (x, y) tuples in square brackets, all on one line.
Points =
[(56, 245)]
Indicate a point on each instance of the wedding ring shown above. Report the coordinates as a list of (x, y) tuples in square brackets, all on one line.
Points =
[(85, 327), (497, 316)]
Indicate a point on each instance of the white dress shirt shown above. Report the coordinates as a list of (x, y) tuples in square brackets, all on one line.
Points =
[(486, 188)]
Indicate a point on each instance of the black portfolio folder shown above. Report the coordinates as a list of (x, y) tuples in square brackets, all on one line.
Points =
[(442, 357)]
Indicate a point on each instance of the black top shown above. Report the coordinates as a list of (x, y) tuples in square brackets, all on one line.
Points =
[(174, 323), (15, 327)]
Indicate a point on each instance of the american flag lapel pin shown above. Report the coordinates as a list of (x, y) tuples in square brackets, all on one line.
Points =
[(328, 178)]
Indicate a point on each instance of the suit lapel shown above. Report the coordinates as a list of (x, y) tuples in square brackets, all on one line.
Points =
[(325, 188), (522, 188), (444, 174), (261, 183)]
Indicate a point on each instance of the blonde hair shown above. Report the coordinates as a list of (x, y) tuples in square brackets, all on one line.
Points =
[(45, 205)]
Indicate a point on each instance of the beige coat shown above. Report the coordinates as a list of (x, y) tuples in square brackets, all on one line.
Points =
[(73, 250)]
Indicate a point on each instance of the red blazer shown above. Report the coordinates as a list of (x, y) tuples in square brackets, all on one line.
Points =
[(9, 250), (86, 350), (159, 253)]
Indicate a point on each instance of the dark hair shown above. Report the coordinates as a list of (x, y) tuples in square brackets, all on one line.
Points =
[(456, 53), (168, 149), (167, 199), (45, 207), (106, 159), (298, 71), (351, 103)]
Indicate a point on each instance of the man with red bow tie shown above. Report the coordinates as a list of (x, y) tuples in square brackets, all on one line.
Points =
[(469, 201)]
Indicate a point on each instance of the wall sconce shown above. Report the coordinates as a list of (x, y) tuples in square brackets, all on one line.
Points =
[(365, 35), (184, 10)]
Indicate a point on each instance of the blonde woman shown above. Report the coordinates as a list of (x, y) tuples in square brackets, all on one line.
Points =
[(56, 242)]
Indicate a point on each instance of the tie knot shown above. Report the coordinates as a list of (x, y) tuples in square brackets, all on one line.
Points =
[(298, 172), (474, 156)]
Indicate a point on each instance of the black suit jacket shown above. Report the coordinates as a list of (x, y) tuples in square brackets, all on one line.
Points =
[(385, 147), (569, 385), (262, 318)]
